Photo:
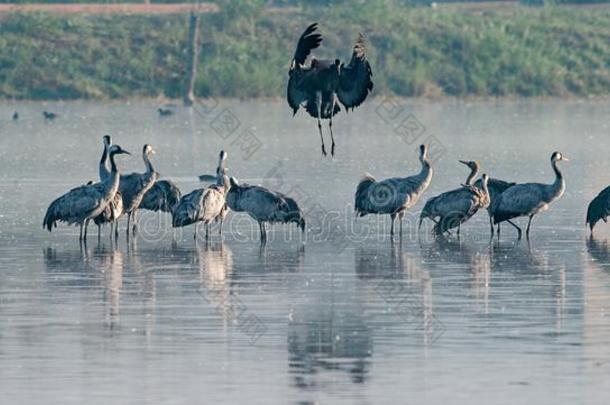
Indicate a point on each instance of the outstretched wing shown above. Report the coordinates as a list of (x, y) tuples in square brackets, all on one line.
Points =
[(295, 94), (309, 40), (355, 79)]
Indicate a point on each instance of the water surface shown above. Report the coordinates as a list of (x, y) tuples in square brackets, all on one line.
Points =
[(342, 315)]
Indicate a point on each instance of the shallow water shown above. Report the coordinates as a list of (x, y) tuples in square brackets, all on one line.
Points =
[(341, 315)]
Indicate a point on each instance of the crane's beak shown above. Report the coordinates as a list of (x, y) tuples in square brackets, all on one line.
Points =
[(565, 158), (463, 162)]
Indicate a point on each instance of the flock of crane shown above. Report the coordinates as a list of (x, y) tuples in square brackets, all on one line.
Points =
[(319, 87)]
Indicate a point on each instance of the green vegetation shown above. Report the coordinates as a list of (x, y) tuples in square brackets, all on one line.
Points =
[(246, 50)]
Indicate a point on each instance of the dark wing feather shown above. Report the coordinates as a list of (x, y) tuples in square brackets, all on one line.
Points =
[(162, 196), (295, 93), (309, 40), (355, 79)]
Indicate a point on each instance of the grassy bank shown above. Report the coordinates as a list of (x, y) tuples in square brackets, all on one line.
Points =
[(246, 50)]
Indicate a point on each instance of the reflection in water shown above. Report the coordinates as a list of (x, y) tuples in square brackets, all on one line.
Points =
[(403, 286), (463, 256), (519, 258), (215, 266), (111, 265), (596, 290), (319, 339), (83, 270)]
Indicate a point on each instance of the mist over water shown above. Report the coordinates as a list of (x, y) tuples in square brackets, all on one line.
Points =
[(340, 315)]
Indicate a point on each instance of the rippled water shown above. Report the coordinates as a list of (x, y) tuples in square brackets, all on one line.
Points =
[(342, 315)]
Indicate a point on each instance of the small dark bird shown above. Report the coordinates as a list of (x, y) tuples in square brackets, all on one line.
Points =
[(15, 116), (599, 208), (318, 86), (165, 112), (49, 115)]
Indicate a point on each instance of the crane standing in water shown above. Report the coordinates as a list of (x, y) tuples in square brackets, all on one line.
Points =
[(114, 209), (599, 208), (318, 86), (81, 204), (393, 196), (264, 206), (133, 187), (528, 199)]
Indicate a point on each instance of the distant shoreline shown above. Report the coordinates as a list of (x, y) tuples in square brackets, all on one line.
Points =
[(416, 52)]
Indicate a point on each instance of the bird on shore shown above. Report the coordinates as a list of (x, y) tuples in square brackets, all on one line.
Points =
[(264, 206), (49, 115), (15, 116), (203, 205), (321, 85), (453, 208), (114, 210), (528, 199), (81, 204), (393, 196), (599, 208), (165, 112), (133, 187)]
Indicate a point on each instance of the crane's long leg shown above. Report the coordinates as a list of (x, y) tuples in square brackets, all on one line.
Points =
[(330, 127), (207, 230), (80, 236), (393, 217), (86, 224), (527, 231), (400, 216), (128, 223), (260, 229), (491, 225), (319, 102), (518, 229), (135, 221)]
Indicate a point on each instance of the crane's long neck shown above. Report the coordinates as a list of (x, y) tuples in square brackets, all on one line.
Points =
[(149, 166), (558, 187), (104, 171), (473, 173), (425, 175), (112, 181)]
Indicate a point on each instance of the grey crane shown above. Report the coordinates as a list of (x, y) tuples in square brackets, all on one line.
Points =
[(133, 186), (528, 199), (393, 196), (495, 187), (163, 196), (318, 86), (264, 206), (456, 206), (201, 205), (81, 204), (599, 208), (114, 209), (218, 178), (431, 210)]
